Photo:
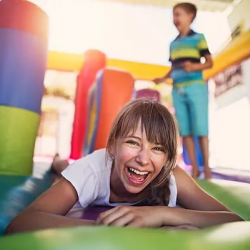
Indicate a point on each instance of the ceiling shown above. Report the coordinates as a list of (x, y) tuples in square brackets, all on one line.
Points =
[(206, 5)]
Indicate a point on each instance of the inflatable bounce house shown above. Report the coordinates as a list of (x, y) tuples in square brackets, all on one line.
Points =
[(23, 55)]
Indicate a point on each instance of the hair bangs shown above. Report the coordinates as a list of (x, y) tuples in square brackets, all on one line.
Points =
[(153, 125), (128, 124)]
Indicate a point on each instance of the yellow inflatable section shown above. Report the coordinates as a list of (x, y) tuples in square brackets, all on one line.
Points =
[(235, 52), (73, 62)]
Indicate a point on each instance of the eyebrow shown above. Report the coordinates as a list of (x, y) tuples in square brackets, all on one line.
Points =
[(133, 136), (138, 138)]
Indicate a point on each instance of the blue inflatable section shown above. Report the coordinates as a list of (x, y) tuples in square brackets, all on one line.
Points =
[(94, 106), (198, 154), (17, 192), (22, 65)]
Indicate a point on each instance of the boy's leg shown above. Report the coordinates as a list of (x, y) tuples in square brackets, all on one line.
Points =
[(203, 140), (190, 146), (58, 165), (198, 100), (182, 116)]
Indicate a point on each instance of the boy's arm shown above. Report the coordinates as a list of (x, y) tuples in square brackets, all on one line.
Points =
[(205, 53), (207, 64), (190, 67), (162, 79)]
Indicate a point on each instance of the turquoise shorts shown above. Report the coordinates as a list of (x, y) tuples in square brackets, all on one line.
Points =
[(191, 109)]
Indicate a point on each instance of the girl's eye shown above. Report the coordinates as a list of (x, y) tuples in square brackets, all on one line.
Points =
[(132, 143), (159, 149)]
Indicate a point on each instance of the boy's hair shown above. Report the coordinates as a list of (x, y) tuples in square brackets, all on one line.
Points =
[(188, 7), (160, 127)]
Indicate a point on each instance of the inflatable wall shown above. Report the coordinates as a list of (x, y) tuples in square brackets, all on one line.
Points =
[(23, 57), (112, 89), (94, 61)]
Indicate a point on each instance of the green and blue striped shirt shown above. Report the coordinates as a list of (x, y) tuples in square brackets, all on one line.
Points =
[(191, 47)]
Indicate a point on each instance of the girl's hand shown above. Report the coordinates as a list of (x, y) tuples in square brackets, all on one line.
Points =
[(132, 216)]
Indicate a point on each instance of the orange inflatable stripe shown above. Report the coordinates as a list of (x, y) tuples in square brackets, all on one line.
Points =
[(117, 90)]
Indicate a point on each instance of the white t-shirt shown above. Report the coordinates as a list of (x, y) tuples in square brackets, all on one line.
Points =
[(90, 176)]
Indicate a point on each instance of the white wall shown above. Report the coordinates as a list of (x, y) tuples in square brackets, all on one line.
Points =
[(240, 13), (124, 31), (230, 126), (230, 112), (61, 142)]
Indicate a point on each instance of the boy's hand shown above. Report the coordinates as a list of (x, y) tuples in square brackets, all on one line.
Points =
[(132, 216), (158, 80), (189, 66)]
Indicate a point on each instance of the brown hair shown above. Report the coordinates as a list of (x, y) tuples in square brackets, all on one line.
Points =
[(188, 7), (160, 127)]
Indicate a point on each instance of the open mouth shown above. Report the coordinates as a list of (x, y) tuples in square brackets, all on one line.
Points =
[(177, 24), (137, 177)]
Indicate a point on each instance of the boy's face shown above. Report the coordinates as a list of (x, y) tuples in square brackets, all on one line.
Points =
[(182, 19)]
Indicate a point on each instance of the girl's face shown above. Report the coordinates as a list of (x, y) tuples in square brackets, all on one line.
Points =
[(137, 162)]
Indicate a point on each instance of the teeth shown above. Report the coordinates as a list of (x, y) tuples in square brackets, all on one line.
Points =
[(137, 172)]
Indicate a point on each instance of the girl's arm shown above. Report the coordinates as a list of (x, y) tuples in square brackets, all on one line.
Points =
[(202, 210), (48, 210), (199, 210)]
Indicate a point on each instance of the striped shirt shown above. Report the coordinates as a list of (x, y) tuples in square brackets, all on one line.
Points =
[(191, 47)]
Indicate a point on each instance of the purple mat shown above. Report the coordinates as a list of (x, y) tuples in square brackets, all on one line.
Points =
[(230, 177), (92, 213)]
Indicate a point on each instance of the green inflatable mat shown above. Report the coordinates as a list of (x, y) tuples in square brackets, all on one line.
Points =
[(234, 195), (231, 236)]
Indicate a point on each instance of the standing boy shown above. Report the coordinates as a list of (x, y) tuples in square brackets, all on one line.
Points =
[(190, 93)]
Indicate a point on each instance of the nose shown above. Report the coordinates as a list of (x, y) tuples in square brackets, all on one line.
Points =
[(142, 157)]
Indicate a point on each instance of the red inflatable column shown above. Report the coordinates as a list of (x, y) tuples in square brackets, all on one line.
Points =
[(94, 61)]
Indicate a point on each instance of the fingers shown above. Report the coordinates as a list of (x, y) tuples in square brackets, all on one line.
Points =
[(123, 220), (136, 222), (109, 217), (186, 65), (105, 214), (156, 81), (187, 227)]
